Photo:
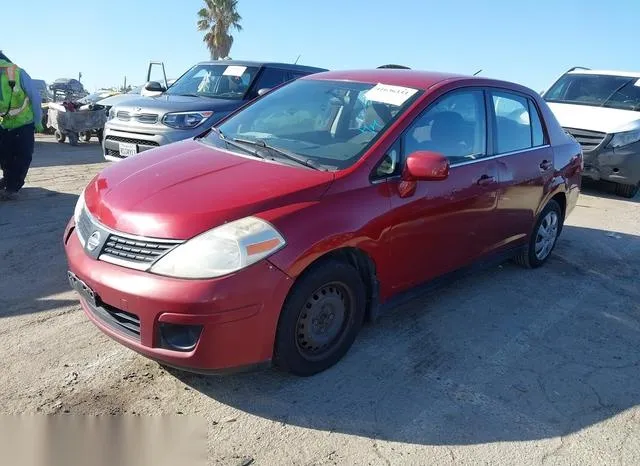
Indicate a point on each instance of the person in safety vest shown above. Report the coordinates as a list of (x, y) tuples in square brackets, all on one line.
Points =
[(20, 117)]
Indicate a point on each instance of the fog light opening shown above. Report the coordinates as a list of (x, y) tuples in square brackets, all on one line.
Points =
[(179, 337)]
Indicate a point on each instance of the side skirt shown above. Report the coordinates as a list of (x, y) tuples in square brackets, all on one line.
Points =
[(379, 309)]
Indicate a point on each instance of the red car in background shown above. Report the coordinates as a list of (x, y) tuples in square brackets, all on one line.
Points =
[(274, 236)]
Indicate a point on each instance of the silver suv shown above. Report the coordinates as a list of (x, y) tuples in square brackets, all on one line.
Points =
[(196, 101)]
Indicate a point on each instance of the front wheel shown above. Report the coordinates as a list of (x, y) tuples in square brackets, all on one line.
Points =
[(320, 319), (543, 238), (627, 190)]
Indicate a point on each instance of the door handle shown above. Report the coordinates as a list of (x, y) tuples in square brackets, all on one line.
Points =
[(485, 180), (546, 165)]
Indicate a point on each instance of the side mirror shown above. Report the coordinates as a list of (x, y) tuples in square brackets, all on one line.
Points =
[(263, 91), (154, 86), (426, 166)]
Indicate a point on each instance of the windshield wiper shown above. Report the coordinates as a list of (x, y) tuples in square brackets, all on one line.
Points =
[(282, 152), (233, 144)]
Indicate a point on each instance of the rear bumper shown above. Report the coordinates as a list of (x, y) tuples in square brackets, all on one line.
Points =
[(236, 315), (621, 165)]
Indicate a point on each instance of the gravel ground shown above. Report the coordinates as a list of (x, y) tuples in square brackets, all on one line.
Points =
[(509, 366)]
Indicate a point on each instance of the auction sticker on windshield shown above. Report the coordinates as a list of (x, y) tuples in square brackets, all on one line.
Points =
[(234, 70), (392, 95)]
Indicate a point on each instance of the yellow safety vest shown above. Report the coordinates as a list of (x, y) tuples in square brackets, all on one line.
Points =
[(15, 105)]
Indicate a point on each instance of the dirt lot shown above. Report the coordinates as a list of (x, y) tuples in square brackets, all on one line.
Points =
[(507, 367)]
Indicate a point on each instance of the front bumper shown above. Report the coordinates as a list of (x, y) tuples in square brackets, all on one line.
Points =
[(237, 314), (144, 139), (621, 165)]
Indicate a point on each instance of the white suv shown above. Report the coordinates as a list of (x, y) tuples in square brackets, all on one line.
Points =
[(601, 109)]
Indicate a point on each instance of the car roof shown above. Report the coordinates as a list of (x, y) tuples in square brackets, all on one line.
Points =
[(626, 74), (287, 66), (390, 76)]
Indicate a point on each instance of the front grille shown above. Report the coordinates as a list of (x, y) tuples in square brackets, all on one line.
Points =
[(135, 250), (84, 226), (589, 140), (148, 118), (114, 153), (119, 320), (141, 142)]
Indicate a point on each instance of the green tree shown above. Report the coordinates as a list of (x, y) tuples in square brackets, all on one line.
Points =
[(217, 18)]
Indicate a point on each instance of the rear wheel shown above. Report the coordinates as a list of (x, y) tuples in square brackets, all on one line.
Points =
[(320, 319), (86, 137), (543, 238), (627, 190), (60, 137)]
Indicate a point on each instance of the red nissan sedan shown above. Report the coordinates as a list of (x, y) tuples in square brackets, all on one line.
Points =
[(274, 236)]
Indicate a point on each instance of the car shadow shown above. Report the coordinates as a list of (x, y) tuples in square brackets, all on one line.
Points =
[(49, 153), (604, 189), (32, 258), (506, 354)]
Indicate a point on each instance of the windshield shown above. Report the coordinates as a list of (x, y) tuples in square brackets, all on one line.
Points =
[(330, 123), (596, 90), (215, 80)]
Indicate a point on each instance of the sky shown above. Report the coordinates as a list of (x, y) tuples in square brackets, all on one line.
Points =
[(529, 42)]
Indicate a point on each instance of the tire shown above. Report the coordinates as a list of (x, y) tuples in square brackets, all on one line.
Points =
[(86, 137), (73, 139), (309, 338), (627, 190), (60, 137), (529, 257)]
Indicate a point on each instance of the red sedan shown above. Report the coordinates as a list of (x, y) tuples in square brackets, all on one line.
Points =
[(274, 236)]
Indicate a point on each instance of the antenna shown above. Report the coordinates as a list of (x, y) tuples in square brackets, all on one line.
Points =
[(296, 62), (477, 72)]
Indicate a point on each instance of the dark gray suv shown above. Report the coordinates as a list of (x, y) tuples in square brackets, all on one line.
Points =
[(196, 101)]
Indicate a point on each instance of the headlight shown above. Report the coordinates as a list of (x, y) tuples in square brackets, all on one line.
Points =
[(79, 206), (222, 250), (185, 120), (624, 139)]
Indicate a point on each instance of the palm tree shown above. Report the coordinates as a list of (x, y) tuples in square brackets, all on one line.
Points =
[(217, 18)]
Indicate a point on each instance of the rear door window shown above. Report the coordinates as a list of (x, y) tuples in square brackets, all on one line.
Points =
[(271, 77), (518, 125), (512, 122)]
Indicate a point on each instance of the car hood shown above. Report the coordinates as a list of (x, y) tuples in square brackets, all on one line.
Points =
[(183, 189), (603, 119), (118, 99), (176, 103)]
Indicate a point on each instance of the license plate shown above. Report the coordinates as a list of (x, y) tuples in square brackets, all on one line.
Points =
[(82, 289), (127, 149)]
